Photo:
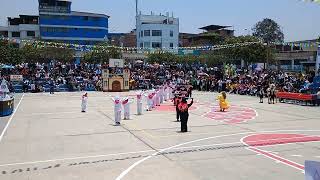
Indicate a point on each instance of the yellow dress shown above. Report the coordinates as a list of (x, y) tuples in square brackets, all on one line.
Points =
[(223, 102)]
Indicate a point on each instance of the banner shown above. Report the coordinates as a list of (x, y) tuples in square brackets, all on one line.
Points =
[(17, 78)]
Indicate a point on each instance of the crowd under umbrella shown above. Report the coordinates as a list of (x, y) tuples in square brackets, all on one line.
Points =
[(5, 66)]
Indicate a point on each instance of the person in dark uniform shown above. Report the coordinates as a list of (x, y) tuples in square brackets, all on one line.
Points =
[(190, 91), (177, 99), (51, 87), (261, 93), (183, 108)]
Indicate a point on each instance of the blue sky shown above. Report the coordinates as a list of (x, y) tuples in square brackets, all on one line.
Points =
[(297, 18)]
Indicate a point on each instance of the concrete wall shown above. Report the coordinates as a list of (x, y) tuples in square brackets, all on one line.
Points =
[(156, 22)]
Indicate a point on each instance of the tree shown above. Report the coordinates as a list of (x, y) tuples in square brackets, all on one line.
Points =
[(268, 31), (10, 53), (162, 57)]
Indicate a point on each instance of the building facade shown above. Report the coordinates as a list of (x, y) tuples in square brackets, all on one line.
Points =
[(298, 57), (58, 22), (123, 39), (157, 32), (23, 27)]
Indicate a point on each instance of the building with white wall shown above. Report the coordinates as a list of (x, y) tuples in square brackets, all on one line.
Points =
[(157, 32), (24, 27)]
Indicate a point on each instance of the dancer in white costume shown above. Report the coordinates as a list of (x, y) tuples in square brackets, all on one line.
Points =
[(126, 108), (149, 101), (157, 96), (84, 102), (166, 92), (154, 99), (171, 96), (117, 110), (139, 102), (161, 94)]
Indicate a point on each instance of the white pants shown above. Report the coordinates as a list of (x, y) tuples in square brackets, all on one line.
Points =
[(139, 108), (117, 116), (126, 112), (84, 106), (150, 104), (161, 98)]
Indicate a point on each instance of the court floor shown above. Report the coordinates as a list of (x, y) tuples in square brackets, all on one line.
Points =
[(48, 138)]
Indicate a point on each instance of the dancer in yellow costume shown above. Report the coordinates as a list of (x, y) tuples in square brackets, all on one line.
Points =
[(223, 101)]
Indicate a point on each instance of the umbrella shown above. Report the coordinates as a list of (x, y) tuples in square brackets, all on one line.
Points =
[(139, 61), (203, 74), (7, 67)]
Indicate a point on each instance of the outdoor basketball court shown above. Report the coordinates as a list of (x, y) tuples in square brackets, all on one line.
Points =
[(48, 138)]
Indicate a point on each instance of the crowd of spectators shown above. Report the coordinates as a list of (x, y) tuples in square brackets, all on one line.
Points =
[(61, 76), (88, 77)]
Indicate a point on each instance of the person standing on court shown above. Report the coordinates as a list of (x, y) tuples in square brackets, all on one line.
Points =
[(117, 110), (126, 108), (51, 86), (84, 102), (184, 113), (139, 103), (177, 99)]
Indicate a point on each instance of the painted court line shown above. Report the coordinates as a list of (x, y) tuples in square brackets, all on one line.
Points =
[(125, 172), (10, 119), (277, 158), (272, 156), (106, 155), (296, 155)]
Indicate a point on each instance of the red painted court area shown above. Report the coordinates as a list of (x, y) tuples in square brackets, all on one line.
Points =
[(262, 140), (171, 108), (234, 115)]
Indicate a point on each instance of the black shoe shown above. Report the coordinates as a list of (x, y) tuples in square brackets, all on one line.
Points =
[(83, 111)]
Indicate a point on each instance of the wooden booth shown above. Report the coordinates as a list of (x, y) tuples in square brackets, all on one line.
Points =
[(116, 77)]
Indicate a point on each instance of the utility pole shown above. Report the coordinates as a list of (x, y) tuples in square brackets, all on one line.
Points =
[(137, 8)]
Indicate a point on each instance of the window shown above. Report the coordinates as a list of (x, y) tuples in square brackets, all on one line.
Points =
[(141, 45), (146, 32), (156, 45), (156, 33), (15, 34), (147, 44), (4, 33), (86, 18), (31, 33), (171, 33), (171, 45), (126, 83), (141, 33)]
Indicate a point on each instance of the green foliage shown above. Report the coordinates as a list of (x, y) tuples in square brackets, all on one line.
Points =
[(162, 57), (9, 53), (101, 55), (32, 54), (268, 31)]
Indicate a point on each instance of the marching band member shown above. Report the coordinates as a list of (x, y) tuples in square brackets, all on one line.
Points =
[(84, 102), (184, 114)]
